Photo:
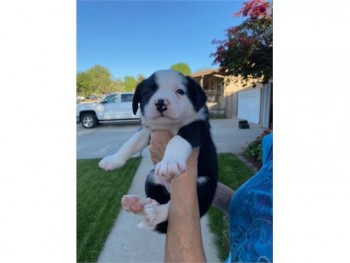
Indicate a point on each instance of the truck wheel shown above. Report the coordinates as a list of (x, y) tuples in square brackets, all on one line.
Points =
[(88, 120)]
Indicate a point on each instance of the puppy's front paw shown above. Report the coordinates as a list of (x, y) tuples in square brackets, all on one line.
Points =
[(109, 163), (170, 168)]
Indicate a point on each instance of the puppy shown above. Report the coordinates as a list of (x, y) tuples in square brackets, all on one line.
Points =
[(174, 102)]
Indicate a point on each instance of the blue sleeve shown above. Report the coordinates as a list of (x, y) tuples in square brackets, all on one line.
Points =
[(250, 215)]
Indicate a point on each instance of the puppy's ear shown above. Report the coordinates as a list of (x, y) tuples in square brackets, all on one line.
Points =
[(142, 92), (137, 97), (196, 93)]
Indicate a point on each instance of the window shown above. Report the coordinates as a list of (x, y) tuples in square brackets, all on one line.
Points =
[(111, 98), (127, 97)]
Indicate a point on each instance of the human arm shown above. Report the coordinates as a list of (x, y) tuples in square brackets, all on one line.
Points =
[(185, 197), (184, 238), (158, 143)]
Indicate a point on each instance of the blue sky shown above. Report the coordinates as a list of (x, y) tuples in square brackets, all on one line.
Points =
[(140, 37)]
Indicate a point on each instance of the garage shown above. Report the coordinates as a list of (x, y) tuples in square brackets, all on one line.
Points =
[(249, 105)]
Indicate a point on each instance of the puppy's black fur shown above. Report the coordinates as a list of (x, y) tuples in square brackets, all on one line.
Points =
[(197, 133)]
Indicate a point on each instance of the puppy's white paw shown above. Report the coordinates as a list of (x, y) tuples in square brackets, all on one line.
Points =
[(134, 204), (170, 168), (110, 162), (145, 226), (154, 214)]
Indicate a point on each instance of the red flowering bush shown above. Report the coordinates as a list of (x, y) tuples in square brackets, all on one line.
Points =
[(254, 150), (247, 49), (255, 9)]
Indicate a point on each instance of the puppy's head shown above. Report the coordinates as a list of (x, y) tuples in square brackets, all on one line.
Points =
[(167, 96)]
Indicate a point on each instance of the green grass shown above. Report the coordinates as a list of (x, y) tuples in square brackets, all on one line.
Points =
[(233, 173), (98, 204), (99, 194)]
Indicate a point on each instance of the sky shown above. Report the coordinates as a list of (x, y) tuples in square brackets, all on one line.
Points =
[(140, 37)]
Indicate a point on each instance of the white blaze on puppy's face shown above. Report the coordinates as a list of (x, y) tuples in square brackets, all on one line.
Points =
[(170, 103)]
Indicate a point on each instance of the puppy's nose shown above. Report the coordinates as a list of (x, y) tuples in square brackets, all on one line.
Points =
[(161, 105)]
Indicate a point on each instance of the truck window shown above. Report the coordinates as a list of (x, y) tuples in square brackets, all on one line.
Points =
[(127, 97), (111, 98)]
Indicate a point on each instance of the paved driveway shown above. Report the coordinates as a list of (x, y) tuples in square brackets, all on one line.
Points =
[(106, 139), (103, 140)]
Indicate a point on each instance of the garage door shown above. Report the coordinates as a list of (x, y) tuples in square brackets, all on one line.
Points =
[(249, 105)]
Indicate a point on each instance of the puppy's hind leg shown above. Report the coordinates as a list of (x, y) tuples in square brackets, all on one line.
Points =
[(134, 204)]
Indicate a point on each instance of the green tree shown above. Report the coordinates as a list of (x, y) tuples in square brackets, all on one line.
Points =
[(247, 49), (182, 67), (83, 84), (94, 80), (100, 79), (117, 85), (129, 83)]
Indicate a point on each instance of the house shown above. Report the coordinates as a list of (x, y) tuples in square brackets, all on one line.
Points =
[(230, 96)]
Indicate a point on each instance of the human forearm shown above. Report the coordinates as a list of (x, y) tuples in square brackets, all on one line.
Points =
[(184, 239)]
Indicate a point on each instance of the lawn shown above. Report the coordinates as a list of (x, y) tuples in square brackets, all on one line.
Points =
[(98, 204), (99, 194), (233, 173)]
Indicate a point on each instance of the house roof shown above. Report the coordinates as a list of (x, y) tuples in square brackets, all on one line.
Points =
[(206, 72)]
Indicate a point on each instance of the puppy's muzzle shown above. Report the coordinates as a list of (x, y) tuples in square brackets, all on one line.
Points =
[(161, 105)]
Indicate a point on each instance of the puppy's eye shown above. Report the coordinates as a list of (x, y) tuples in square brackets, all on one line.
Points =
[(180, 91)]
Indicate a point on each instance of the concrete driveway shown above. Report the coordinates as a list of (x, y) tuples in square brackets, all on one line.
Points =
[(103, 140), (106, 139)]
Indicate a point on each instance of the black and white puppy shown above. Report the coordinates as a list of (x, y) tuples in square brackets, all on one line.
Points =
[(169, 100)]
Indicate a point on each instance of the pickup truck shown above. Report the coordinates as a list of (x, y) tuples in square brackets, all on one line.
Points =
[(113, 107)]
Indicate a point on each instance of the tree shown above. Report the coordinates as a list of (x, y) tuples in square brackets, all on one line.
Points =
[(83, 83), (94, 80), (182, 67), (117, 85), (129, 83), (100, 79), (247, 49)]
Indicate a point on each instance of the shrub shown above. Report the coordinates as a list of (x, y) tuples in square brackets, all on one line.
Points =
[(254, 150)]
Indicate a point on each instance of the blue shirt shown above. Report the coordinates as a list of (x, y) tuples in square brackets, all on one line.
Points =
[(250, 214)]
